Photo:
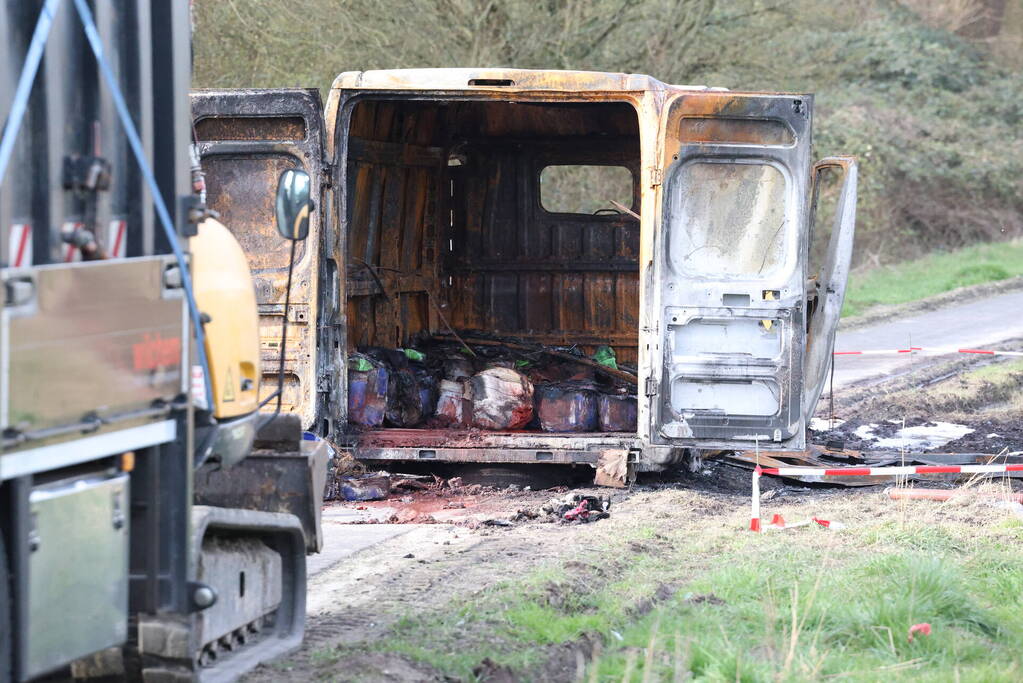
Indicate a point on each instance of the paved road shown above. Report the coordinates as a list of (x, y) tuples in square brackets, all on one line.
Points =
[(974, 324), (342, 539)]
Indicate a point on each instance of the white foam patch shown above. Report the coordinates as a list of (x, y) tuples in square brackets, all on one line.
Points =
[(820, 424), (866, 432), (924, 437)]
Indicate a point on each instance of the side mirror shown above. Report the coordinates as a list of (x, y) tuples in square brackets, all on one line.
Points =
[(293, 204)]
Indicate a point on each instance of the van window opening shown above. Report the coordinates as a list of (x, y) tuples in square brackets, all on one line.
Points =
[(585, 189)]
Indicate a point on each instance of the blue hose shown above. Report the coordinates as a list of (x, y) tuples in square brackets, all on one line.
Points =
[(25, 80)]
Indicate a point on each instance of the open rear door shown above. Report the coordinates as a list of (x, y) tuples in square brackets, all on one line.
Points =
[(730, 262), (827, 283), (247, 138)]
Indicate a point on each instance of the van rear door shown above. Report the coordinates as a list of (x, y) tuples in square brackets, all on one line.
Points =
[(729, 291), (246, 139)]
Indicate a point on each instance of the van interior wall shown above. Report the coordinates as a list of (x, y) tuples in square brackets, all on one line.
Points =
[(444, 204)]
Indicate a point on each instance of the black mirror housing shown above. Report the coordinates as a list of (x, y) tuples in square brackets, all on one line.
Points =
[(293, 204)]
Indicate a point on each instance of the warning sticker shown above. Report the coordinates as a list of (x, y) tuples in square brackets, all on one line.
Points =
[(228, 388)]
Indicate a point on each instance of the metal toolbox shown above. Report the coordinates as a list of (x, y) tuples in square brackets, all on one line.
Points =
[(78, 569)]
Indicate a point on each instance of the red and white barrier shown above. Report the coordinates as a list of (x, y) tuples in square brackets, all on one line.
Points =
[(902, 470), (878, 352), (992, 353), (936, 351), (889, 471)]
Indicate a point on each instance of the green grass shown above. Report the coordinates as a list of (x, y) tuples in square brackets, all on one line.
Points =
[(778, 623), (933, 274), (802, 605)]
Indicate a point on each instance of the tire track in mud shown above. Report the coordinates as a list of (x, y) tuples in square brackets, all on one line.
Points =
[(361, 598)]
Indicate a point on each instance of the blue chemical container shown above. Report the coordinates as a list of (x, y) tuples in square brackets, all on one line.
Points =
[(367, 396), (618, 413), (566, 409)]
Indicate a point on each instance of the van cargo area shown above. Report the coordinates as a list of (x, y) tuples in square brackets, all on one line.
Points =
[(494, 240)]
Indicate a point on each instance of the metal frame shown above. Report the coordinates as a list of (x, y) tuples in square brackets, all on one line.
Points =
[(338, 119)]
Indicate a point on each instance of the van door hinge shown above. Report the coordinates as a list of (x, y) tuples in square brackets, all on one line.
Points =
[(651, 386), (328, 174), (656, 176)]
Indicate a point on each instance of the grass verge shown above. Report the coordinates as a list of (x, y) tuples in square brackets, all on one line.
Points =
[(700, 598), (933, 274)]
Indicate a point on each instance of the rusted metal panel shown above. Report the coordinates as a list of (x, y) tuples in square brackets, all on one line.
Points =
[(392, 222), (250, 128), (247, 138), (535, 274), (733, 226), (495, 225), (557, 456), (477, 438), (582, 83)]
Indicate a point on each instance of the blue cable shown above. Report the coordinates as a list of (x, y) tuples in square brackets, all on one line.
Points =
[(161, 209), (24, 89)]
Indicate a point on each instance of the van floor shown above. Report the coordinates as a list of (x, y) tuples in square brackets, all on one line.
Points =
[(478, 438)]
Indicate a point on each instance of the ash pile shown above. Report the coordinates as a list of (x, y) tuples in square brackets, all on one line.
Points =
[(497, 386)]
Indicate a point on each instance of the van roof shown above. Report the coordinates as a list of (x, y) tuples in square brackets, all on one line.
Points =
[(490, 79)]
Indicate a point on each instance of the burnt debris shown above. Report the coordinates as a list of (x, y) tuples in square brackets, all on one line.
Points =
[(495, 386)]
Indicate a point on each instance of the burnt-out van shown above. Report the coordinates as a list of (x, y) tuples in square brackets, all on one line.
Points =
[(685, 227)]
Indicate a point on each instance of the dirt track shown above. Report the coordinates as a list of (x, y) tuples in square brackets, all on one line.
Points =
[(358, 606), (360, 599)]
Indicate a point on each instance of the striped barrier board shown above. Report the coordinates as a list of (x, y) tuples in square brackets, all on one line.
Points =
[(889, 471), (878, 352), (939, 351), (903, 470)]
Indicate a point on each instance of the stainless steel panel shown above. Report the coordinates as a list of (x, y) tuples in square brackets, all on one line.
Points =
[(78, 571), (93, 342)]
